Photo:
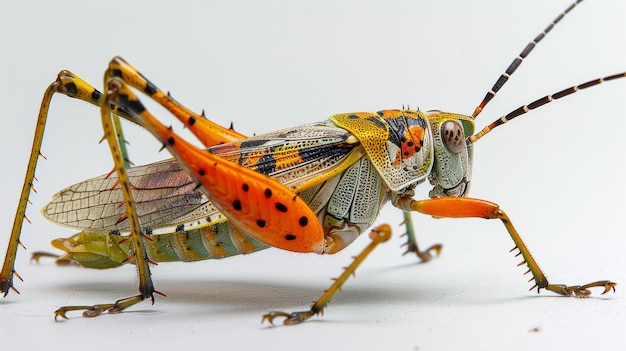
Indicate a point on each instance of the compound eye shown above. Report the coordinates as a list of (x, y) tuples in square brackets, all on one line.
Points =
[(453, 136)]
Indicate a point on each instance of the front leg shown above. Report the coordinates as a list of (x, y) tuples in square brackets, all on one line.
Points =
[(462, 207)]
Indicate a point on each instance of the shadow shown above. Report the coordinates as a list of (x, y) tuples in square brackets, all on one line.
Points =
[(375, 288), (231, 292), (187, 298), (6, 302)]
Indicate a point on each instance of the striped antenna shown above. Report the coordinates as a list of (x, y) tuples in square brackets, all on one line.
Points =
[(518, 60), (540, 102)]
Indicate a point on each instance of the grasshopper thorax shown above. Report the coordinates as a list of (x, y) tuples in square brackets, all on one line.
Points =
[(408, 146)]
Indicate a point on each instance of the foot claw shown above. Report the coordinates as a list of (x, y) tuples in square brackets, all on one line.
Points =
[(608, 287), (290, 318), (425, 255), (581, 291), (96, 310), (6, 285), (60, 261), (59, 313)]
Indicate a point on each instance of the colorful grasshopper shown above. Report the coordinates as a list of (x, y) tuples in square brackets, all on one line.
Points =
[(313, 188)]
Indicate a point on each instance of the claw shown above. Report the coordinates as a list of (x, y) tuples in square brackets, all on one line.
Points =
[(269, 317), (425, 255), (608, 287), (60, 261), (96, 310), (6, 284), (59, 313), (581, 291), (89, 311), (290, 318)]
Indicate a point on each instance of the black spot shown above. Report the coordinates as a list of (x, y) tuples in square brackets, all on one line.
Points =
[(260, 223), (290, 237), (281, 207), (192, 120), (96, 94), (180, 228), (268, 193), (114, 232), (245, 187), (170, 141), (150, 88), (134, 105), (70, 89), (410, 143), (303, 221), (201, 172), (116, 73), (377, 122), (252, 143), (148, 231), (237, 205)]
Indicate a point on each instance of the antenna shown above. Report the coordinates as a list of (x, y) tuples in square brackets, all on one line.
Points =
[(540, 102), (504, 77)]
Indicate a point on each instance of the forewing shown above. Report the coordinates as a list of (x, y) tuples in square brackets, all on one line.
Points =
[(297, 157), (165, 197), (168, 200)]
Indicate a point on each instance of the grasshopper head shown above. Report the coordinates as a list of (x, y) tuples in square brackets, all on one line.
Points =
[(452, 169)]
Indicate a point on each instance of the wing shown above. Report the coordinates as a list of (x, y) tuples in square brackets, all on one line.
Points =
[(168, 200), (297, 157)]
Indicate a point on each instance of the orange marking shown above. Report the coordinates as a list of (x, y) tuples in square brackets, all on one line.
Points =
[(253, 202), (457, 207)]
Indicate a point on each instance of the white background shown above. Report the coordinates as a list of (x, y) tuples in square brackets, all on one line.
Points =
[(558, 171)]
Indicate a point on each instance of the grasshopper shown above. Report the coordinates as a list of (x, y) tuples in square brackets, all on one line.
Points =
[(312, 188)]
